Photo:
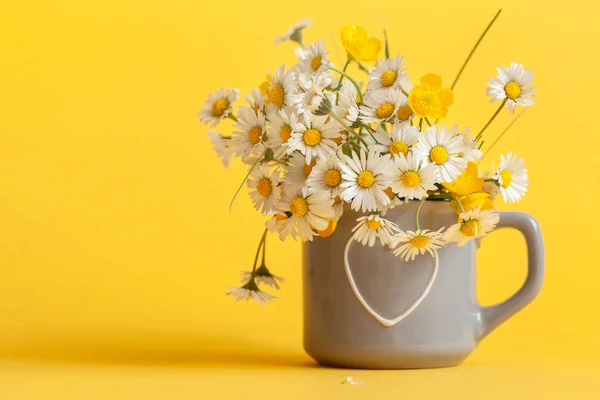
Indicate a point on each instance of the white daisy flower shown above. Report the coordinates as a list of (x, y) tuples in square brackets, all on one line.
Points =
[(491, 188), (472, 224), (326, 176), (311, 92), (389, 75), (404, 113), (256, 100), (338, 207), (250, 136), (262, 276), (394, 201), (279, 131), (250, 291), (294, 32), (218, 106), (510, 84), (371, 227), (222, 146), (410, 178), (471, 150), (277, 223), (313, 58), (381, 106), (347, 102), (281, 89), (511, 177), (444, 149), (399, 141), (263, 187), (364, 180), (298, 170), (419, 242), (309, 211), (313, 138)]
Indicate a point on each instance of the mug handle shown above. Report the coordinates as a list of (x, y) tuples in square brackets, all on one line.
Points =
[(492, 317)]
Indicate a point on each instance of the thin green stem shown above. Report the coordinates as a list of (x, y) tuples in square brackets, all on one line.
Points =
[(260, 245), (427, 120), (387, 47), (370, 131), (350, 79), (420, 123), (502, 134), (343, 76), (361, 67), (245, 178), (474, 48), (264, 252), (478, 137), (347, 128), (462, 209), (417, 214), (231, 116)]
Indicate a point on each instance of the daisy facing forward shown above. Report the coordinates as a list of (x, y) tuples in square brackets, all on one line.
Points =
[(399, 141), (371, 227), (263, 187), (313, 138), (281, 89), (218, 106), (444, 150), (279, 131), (510, 86), (419, 242), (410, 179), (313, 59), (381, 106), (389, 75), (326, 176), (472, 224), (309, 211), (250, 135), (511, 178), (364, 180)]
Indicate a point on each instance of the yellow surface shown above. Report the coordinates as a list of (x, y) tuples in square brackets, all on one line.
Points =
[(116, 246)]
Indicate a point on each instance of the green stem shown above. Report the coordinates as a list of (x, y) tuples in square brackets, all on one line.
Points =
[(370, 131), (361, 67), (343, 76), (417, 213), (462, 209), (420, 123), (264, 252), (231, 116), (260, 245), (502, 134), (427, 120), (347, 128), (350, 79), (474, 48), (245, 178), (478, 137), (387, 47)]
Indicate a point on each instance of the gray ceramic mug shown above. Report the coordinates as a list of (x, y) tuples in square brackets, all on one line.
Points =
[(441, 331)]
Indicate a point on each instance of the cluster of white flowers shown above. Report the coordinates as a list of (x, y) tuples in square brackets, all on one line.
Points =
[(316, 144)]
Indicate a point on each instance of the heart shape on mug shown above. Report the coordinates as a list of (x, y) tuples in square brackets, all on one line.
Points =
[(388, 323)]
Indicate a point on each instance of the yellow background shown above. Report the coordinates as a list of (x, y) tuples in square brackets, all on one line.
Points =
[(116, 245)]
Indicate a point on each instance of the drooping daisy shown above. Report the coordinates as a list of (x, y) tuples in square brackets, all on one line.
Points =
[(294, 33), (510, 84), (298, 170), (511, 177), (399, 141), (394, 201), (443, 149), (262, 275), (364, 180), (281, 89), (250, 291), (472, 224), (410, 178), (338, 207), (313, 138), (419, 242), (250, 136), (471, 150), (309, 211), (218, 106), (277, 223), (371, 227), (381, 106), (222, 146), (313, 58), (347, 102), (311, 93), (264, 191), (389, 75), (326, 176), (491, 188), (279, 131)]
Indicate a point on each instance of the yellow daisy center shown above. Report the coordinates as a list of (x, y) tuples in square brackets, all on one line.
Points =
[(385, 111), (316, 62), (275, 95), (388, 191), (308, 168), (264, 187), (299, 206), (512, 90), (285, 132), (254, 134), (312, 137), (404, 113), (366, 179), (388, 78), (410, 179), (438, 155), (333, 178), (506, 177), (219, 107), (373, 223), (419, 241), (398, 147), (470, 228)]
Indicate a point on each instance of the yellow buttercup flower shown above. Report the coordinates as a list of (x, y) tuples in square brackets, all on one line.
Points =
[(358, 45), (429, 99), (467, 183)]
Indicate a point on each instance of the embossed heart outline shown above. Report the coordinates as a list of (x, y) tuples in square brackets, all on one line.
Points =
[(388, 323)]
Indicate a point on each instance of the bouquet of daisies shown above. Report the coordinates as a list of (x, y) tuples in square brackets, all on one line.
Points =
[(317, 140)]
